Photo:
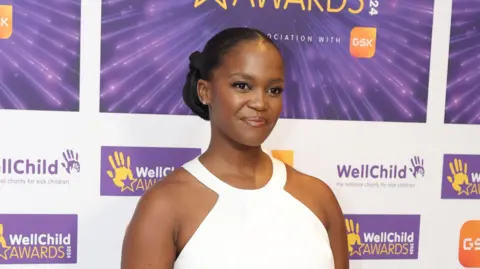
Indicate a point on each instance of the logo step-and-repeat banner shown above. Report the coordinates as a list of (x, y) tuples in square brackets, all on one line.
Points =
[(359, 70)]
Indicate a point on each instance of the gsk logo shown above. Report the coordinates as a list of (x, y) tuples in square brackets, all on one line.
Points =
[(363, 42), (6, 19), (286, 156), (469, 244)]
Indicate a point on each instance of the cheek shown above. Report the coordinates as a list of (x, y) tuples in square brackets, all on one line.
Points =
[(228, 102), (276, 104)]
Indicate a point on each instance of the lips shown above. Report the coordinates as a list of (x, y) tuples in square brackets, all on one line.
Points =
[(255, 121)]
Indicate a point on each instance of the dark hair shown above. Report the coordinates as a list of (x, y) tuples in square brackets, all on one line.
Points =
[(203, 63)]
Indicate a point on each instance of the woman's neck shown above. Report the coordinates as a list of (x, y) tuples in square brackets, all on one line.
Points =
[(223, 152)]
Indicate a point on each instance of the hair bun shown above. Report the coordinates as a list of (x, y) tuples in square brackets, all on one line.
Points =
[(195, 60), (190, 95)]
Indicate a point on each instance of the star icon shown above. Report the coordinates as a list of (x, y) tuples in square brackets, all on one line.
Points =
[(222, 3), (356, 249), (128, 184), (3, 252), (463, 188)]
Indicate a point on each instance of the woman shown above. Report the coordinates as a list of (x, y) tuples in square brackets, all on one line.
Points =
[(235, 206)]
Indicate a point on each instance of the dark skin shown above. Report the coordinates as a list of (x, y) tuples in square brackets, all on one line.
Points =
[(245, 99)]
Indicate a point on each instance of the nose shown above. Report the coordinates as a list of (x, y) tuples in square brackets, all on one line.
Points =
[(258, 100)]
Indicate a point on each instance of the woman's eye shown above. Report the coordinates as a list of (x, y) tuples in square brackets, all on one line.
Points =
[(241, 85), (275, 91)]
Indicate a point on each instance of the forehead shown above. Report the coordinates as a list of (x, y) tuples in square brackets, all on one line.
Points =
[(258, 59)]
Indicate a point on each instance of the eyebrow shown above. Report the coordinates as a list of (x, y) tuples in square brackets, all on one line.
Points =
[(252, 78)]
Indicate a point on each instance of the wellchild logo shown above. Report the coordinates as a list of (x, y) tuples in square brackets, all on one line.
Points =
[(381, 175), (461, 177), (130, 171), (374, 237), (40, 170), (38, 239), (383, 171), (71, 163), (417, 168)]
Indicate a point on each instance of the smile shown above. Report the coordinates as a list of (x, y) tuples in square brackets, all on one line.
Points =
[(255, 121)]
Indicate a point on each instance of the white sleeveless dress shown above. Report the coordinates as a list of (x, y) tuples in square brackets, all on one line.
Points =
[(265, 228)]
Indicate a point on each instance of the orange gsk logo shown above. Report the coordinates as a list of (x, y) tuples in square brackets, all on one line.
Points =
[(469, 244), (363, 42), (6, 20)]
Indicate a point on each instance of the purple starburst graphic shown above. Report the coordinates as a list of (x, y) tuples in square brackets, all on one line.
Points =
[(463, 89), (146, 44), (40, 62)]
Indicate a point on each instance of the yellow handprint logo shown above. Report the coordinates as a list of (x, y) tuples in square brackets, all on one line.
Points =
[(3, 245), (353, 237), (122, 175), (459, 180)]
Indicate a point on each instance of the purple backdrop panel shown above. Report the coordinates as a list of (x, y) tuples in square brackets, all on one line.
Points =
[(463, 89), (146, 44), (40, 61)]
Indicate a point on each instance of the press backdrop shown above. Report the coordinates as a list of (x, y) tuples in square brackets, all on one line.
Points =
[(382, 103)]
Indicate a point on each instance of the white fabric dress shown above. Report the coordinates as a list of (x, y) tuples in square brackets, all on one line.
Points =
[(265, 228)]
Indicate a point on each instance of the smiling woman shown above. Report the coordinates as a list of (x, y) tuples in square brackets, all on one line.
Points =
[(236, 206), (224, 84)]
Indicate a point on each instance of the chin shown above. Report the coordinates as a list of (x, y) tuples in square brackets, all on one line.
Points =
[(252, 140), (251, 137), (253, 144)]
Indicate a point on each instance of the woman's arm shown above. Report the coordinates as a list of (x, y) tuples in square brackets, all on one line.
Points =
[(337, 231), (149, 241)]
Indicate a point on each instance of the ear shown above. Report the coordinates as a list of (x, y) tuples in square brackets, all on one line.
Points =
[(204, 91)]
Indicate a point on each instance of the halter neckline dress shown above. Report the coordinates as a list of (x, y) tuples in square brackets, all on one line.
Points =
[(265, 228)]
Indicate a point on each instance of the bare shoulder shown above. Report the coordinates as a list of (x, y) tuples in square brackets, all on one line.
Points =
[(150, 236), (163, 197), (311, 186), (171, 186)]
